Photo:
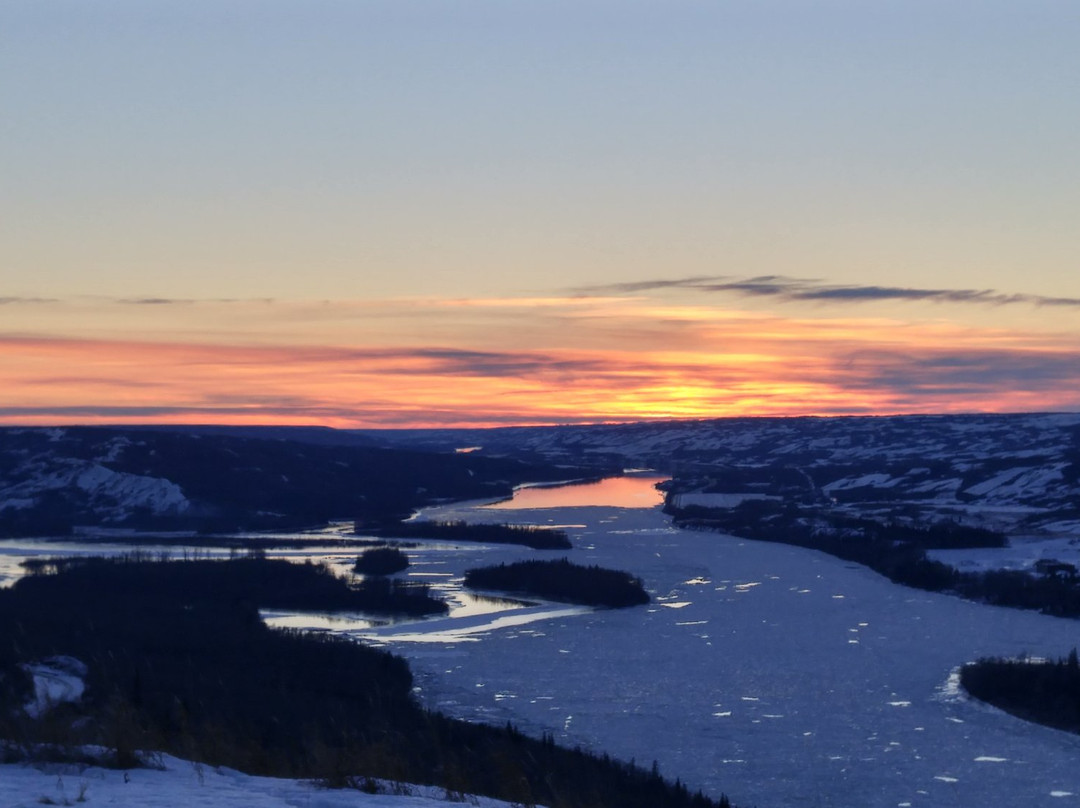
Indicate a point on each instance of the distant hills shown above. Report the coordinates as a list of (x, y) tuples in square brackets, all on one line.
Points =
[(1014, 472), (221, 479), (1007, 472)]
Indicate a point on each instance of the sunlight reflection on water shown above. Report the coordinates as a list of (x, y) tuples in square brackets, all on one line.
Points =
[(631, 491)]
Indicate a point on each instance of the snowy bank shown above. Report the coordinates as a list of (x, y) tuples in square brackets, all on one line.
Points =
[(181, 784)]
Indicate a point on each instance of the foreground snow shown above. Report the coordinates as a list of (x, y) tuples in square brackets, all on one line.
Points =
[(181, 784)]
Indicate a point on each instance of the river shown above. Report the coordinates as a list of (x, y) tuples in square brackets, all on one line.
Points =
[(781, 676)]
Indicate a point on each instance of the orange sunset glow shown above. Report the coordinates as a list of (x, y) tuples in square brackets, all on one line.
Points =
[(595, 360), (434, 214)]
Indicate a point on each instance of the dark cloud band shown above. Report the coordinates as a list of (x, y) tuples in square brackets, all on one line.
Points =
[(789, 289), (17, 301)]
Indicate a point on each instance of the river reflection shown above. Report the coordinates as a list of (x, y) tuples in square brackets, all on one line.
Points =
[(631, 491)]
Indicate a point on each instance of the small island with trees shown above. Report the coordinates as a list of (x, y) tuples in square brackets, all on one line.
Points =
[(271, 583), (381, 561), (562, 580)]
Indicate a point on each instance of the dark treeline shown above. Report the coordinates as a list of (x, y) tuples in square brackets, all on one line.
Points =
[(901, 561), (381, 561), (769, 517), (270, 583), (538, 538), (562, 580), (1049, 595), (896, 551), (937, 536), (1046, 692), (172, 668)]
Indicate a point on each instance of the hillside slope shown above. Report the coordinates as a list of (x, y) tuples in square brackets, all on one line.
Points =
[(54, 479)]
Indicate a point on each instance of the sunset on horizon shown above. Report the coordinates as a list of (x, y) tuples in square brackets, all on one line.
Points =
[(540, 403), (420, 214)]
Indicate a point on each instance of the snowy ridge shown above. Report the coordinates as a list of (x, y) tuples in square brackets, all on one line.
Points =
[(112, 495), (135, 491)]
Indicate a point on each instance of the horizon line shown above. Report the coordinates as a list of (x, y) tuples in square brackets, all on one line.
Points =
[(525, 425)]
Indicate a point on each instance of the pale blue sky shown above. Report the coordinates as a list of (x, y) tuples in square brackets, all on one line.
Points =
[(373, 149)]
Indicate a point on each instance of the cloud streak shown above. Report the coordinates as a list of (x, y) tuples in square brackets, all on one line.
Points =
[(185, 301), (26, 301), (801, 290), (475, 362)]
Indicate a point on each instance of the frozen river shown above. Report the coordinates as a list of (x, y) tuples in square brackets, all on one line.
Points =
[(781, 676)]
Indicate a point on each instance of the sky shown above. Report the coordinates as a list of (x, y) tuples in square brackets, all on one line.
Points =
[(364, 213)]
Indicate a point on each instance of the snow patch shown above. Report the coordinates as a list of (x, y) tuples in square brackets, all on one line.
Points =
[(133, 490), (111, 492), (56, 680)]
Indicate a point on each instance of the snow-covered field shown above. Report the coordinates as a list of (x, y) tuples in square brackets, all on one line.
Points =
[(181, 784)]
